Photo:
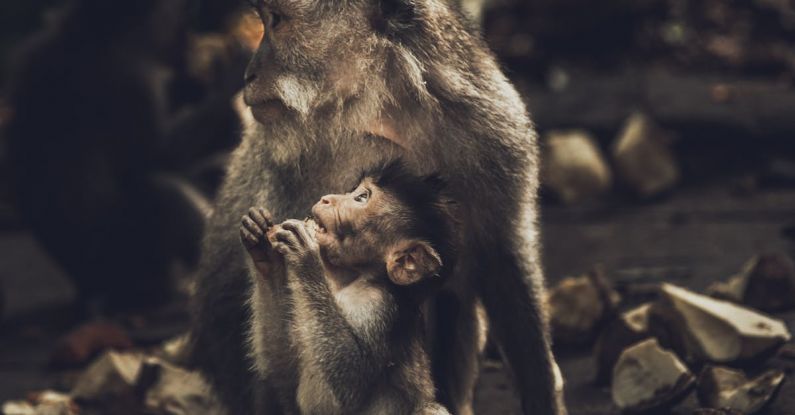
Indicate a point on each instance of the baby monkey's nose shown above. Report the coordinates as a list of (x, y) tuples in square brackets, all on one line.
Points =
[(326, 200)]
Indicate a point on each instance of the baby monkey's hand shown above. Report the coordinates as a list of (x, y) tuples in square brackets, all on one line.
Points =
[(254, 229), (296, 242)]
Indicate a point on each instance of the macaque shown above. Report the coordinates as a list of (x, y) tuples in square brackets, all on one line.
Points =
[(357, 276), (335, 88)]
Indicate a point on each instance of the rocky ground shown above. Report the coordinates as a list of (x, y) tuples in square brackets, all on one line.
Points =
[(715, 78), (696, 236)]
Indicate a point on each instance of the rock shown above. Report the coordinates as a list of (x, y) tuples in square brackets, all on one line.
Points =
[(111, 378), (787, 352), (174, 351), (703, 329), (55, 409), (721, 387), (712, 411), (175, 391), (643, 158), (39, 398), (647, 377), (578, 305), (85, 342), (627, 329), (474, 8), (42, 403), (18, 408), (730, 290), (574, 167), (766, 282), (54, 403)]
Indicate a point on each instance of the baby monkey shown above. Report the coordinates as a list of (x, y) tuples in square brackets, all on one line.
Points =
[(358, 275)]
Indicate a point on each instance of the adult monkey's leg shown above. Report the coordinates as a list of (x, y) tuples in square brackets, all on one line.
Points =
[(455, 350), (513, 301)]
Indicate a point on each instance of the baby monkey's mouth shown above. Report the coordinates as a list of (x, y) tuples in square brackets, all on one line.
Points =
[(327, 220), (316, 224)]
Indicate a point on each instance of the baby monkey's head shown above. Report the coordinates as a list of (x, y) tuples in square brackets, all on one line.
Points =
[(393, 219)]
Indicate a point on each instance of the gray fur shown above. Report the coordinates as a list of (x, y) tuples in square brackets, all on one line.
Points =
[(434, 81), (359, 346)]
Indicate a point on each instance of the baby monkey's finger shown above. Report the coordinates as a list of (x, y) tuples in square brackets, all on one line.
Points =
[(298, 228), (281, 248), (252, 226), (248, 238), (261, 216), (286, 237)]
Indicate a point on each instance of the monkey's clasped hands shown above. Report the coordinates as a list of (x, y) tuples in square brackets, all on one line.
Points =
[(295, 242), (292, 240), (254, 229)]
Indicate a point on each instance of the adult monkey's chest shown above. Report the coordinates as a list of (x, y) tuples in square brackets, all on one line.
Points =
[(325, 168)]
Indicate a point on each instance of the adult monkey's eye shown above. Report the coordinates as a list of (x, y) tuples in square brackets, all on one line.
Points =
[(270, 18), (275, 19)]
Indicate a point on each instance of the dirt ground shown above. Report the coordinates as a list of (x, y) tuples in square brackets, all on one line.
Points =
[(690, 65), (697, 235)]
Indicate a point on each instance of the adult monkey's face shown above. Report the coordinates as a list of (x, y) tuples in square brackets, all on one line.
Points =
[(314, 55)]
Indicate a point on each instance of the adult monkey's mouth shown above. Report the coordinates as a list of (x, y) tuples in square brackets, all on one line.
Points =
[(265, 103), (266, 110)]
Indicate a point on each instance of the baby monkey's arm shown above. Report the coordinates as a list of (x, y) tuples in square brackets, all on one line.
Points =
[(345, 336), (271, 308)]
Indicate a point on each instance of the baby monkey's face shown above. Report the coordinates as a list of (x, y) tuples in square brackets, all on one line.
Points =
[(375, 229), (351, 227)]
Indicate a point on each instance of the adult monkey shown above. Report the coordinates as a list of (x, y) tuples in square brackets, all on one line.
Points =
[(335, 87)]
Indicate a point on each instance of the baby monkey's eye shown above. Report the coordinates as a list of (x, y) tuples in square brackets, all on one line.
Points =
[(363, 196)]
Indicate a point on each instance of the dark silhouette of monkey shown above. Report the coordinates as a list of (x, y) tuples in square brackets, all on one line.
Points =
[(99, 148), (335, 87)]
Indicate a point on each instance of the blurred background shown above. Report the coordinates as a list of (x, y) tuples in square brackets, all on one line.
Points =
[(668, 134)]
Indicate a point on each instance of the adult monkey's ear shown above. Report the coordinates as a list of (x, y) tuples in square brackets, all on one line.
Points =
[(394, 16), (410, 261)]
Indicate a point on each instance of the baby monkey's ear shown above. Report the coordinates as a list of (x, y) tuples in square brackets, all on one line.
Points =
[(409, 261)]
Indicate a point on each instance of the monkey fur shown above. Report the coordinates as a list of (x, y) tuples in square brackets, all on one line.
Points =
[(335, 88), (356, 279)]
